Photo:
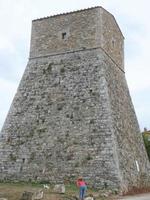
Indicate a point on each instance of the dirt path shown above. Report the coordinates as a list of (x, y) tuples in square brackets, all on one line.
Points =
[(137, 197)]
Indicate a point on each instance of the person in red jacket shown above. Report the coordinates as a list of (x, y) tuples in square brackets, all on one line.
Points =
[(82, 187)]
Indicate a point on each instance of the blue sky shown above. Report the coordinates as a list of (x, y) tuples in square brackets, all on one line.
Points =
[(132, 17)]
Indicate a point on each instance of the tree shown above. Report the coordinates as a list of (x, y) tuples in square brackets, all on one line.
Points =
[(146, 138)]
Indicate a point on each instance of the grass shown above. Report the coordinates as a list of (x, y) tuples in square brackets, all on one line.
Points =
[(14, 191)]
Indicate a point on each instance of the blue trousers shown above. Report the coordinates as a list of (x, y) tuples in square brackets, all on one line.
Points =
[(82, 192)]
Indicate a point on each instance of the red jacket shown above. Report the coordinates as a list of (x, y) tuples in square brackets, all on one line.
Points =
[(81, 183)]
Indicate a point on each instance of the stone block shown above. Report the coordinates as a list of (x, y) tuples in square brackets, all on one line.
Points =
[(60, 188)]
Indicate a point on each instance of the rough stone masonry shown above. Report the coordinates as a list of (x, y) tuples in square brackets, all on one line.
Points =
[(72, 113)]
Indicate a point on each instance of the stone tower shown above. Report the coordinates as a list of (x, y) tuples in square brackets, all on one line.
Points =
[(72, 113)]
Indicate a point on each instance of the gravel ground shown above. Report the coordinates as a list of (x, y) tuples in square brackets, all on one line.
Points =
[(137, 197)]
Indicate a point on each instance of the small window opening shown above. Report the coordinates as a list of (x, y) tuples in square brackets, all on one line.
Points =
[(64, 35), (21, 169), (23, 160)]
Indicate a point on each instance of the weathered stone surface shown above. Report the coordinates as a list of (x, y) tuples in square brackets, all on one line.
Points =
[(72, 113), (106, 193), (46, 186), (3, 199), (89, 198), (38, 195), (27, 195), (60, 188)]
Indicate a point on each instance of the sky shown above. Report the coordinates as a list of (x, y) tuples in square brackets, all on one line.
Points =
[(15, 31)]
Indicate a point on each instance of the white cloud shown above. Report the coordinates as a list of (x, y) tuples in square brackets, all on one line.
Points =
[(7, 92), (5, 44), (6, 86)]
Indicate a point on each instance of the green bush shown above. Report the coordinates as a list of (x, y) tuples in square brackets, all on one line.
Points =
[(146, 138)]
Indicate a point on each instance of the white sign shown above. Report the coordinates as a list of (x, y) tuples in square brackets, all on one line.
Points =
[(137, 165)]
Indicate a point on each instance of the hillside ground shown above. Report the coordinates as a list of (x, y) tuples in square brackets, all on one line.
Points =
[(14, 191)]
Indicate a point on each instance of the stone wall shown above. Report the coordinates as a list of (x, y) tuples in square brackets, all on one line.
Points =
[(60, 33), (76, 31), (112, 40), (133, 160), (63, 127), (72, 113)]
